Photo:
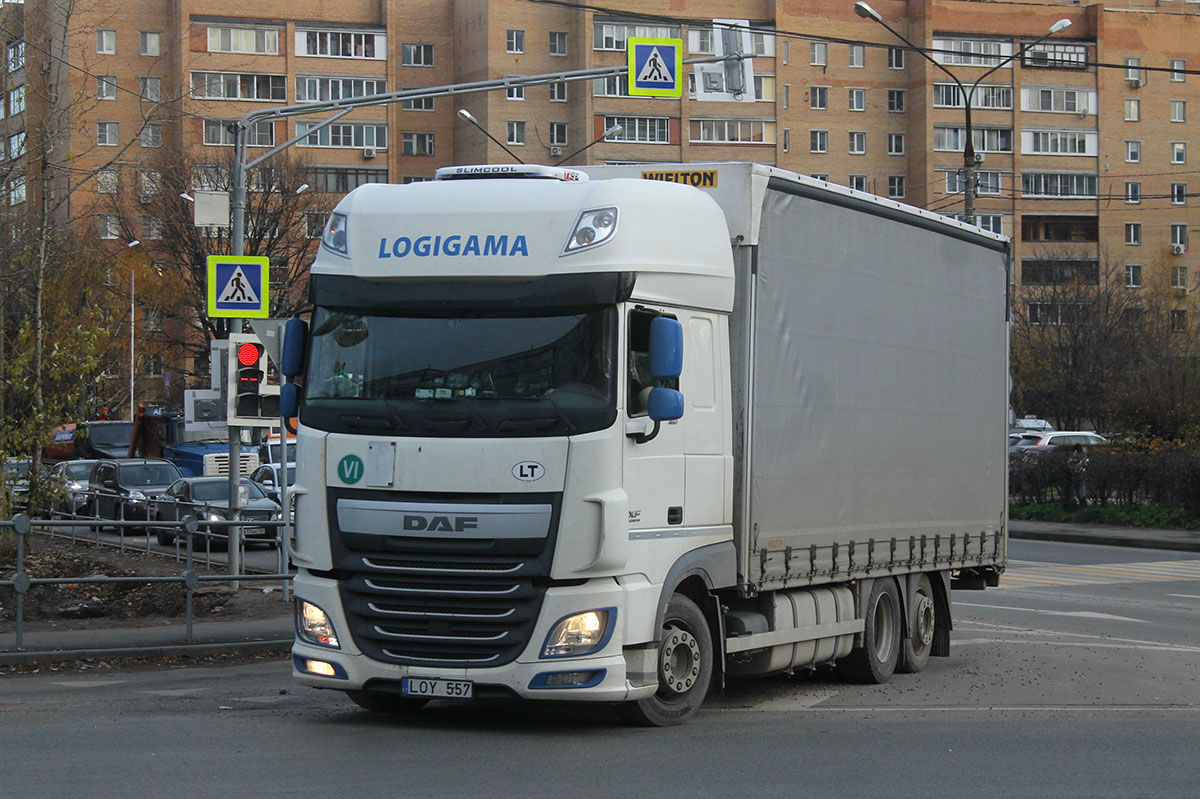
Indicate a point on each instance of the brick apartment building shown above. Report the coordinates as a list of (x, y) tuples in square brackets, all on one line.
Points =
[(1085, 138)]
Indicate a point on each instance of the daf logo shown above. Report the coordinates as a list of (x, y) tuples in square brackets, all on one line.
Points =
[(440, 524), (528, 471)]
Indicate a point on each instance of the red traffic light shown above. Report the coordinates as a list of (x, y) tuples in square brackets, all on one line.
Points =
[(248, 354)]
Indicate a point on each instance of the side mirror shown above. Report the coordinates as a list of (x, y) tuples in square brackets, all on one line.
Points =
[(666, 348), (665, 404), (295, 340), (289, 400)]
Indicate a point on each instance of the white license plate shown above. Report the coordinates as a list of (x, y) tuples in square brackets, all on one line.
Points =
[(447, 689)]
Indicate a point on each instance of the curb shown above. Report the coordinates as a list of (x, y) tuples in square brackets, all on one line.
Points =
[(1106, 540), (27, 657)]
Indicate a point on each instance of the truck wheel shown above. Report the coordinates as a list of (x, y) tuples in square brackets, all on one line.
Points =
[(922, 614), (385, 703), (685, 665), (875, 660)]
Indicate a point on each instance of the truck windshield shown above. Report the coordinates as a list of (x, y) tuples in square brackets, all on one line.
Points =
[(462, 376)]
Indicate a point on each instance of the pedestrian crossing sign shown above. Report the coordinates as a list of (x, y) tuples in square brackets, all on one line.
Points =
[(655, 67), (238, 286)]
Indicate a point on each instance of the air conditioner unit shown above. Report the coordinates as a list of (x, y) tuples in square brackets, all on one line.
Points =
[(368, 152), (1178, 249), (555, 151), (1135, 83)]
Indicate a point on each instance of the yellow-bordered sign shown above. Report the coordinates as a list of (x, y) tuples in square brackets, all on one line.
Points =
[(238, 286), (655, 67)]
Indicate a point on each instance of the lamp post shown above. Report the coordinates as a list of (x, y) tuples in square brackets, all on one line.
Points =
[(132, 319), (969, 158)]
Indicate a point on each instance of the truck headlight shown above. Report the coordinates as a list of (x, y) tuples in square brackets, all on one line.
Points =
[(314, 626), (593, 228), (578, 634)]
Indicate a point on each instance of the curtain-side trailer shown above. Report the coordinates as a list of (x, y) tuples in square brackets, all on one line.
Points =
[(621, 433)]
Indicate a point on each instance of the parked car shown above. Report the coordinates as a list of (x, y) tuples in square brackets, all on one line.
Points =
[(1032, 424), (16, 482), (102, 439), (70, 481), (1069, 438), (122, 488), (1020, 441), (207, 498), (267, 477)]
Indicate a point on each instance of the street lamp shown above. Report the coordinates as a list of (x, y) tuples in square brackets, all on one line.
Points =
[(132, 318), (969, 158)]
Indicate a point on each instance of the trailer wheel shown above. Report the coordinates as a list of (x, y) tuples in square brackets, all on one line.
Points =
[(875, 661), (922, 612), (386, 703), (685, 665)]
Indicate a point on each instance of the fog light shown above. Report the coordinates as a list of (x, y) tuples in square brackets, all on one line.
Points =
[(578, 634), (314, 626), (320, 667)]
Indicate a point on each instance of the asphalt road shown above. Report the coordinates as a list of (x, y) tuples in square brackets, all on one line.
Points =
[(1078, 677)]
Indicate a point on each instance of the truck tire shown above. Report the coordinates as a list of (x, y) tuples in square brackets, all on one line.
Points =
[(922, 616), (875, 661), (685, 667), (386, 703)]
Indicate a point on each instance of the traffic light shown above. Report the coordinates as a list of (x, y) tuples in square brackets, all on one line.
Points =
[(252, 401)]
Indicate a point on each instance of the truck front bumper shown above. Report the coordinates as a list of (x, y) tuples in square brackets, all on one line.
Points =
[(602, 675)]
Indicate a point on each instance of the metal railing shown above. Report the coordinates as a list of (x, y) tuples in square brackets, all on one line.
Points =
[(187, 531)]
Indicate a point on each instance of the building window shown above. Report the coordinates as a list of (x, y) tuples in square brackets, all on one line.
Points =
[(16, 144), (1133, 152), (1133, 110), (1133, 191), (896, 101), (1133, 276), (1178, 194), (516, 132), (341, 44), (858, 99), (106, 87), (732, 131), (16, 55), (896, 186), (818, 53), (787, 139), (416, 144), (1178, 65), (764, 88), (151, 89), (818, 141), (991, 222), (514, 40), (1058, 184), (612, 36), (1133, 233), (1179, 110), (558, 92), (417, 104), (416, 55), (1179, 321), (948, 95), (152, 229), (258, 41), (149, 43), (1178, 152), (895, 143), (612, 86), (308, 89), (986, 182), (987, 140), (151, 134), (106, 134), (16, 190), (971, 52), (339, 180), (1179, 277), (857, 55), (107, 181), (109, 226), (1179, 235), (818, 98), (645, 130), (516, 92), (1056, 56), (16, 100), (895, 58), (150, 182), (219, 132), (858, 182), (347, 135), (858, 142), (1067, 101), (558, 42), (1133, 69), (106, 41), (558, 134), (820, 176), (1060, 142)]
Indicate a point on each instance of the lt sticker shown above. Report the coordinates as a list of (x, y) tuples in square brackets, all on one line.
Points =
[(350, 469), (528, 471)]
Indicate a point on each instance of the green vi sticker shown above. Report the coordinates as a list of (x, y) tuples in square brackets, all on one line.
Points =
[(350, 469)]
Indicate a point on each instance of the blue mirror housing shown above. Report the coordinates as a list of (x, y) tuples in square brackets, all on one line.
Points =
[(295, 340), (666, 348), (289, 400), (665, 404)]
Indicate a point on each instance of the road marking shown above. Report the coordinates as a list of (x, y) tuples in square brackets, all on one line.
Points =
[(86, 683), (1186, 596), (1032, 574), (1056, 633), (1079, 614)]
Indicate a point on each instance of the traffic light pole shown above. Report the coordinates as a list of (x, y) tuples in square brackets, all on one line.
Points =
[(237, 247)]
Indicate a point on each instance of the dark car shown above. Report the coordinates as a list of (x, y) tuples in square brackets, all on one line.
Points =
[(122, 488), (207, 499), (102, 439), (70, 484)]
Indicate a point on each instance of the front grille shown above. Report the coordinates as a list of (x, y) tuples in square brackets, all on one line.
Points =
[(457, 603)]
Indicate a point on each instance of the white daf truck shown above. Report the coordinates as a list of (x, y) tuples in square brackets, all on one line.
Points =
[(620, 434)]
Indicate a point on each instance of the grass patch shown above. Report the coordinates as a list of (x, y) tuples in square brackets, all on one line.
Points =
[(1159, 516)]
